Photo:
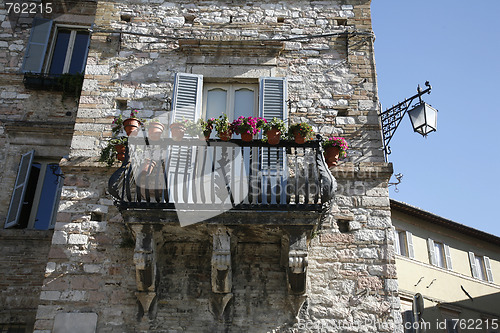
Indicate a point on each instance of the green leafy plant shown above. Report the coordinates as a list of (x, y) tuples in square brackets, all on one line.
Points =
[(222, 125), (276, 123), (302, 129), (108, 153)]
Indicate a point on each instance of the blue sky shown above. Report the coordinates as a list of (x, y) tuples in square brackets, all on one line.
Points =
[(454, 172)]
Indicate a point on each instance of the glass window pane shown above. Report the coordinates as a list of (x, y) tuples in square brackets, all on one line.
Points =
[(47, 197), (402, 243), (216, 103), (243, 103), (60, 50), (29, 195), (439, 252), (79, 55), (480, 267)]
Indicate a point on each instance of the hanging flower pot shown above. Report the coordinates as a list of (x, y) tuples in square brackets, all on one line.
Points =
[(335, 148), (177, 131), (155, 129), (148, 166), (131, 126), (247, 137), (273, 136), (120, 152), (332, 155)]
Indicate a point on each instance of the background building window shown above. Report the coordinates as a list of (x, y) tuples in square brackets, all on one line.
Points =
[(12, 328), (404, 243), (69, 52), (480, 267), (439, 254), (36, 194)]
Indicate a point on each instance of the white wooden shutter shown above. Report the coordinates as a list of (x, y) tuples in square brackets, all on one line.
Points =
[(37, 45), (432, 255), (397, 246), (473, 268), (186, 101), (447, 256), (186, 104), (409, 242), (487, 265), (16, 202), (272, 104)]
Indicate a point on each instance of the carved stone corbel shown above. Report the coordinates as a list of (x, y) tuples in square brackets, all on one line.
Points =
[(295, 260), (221, 271), (145, 266), (221, 262)]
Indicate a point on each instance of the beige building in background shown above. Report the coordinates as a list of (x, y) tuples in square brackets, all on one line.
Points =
[(454, 267)]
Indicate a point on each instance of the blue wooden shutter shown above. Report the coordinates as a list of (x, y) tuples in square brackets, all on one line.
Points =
[(16, 202), (37, 45)]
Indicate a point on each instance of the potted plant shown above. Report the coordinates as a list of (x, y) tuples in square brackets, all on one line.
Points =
[(248, 126), (301, 132), (117, 126), (335, 148), (223, 128), (132, 124), (207, 126), (155, 129), (177, 129), (114, 150), (273, 130)]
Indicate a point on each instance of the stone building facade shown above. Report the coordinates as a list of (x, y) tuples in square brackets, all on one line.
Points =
[(249, 270)]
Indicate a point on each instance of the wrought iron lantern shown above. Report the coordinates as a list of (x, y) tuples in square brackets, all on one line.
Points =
[(423, 118)]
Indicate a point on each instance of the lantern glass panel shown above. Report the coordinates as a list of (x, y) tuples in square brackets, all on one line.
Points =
[(423, 118)]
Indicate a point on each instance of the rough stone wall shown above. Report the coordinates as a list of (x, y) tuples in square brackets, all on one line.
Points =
[(29, 120), (23, 261), (332, 84)]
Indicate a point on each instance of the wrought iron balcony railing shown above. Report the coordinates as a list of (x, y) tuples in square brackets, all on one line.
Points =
[(212, 175)]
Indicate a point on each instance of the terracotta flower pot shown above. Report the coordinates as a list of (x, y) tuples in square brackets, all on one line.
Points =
[(332, 155), (177, 131), (225, 136), (206, 135), (148, 166), (131, 126), (299, 138), (155, 129), (247, 137), (120, 152), (273, 136)]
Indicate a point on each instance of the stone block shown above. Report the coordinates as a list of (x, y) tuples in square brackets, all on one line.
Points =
[(78, 239), (75, 323)]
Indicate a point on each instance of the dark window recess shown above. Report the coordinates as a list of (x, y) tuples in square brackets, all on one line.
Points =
[(12, 328), (343, 225), (69, 84)]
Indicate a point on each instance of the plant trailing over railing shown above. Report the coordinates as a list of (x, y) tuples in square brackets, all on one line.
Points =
[(113, 150)]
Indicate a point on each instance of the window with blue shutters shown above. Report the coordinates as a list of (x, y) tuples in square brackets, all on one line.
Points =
[(36, 193)]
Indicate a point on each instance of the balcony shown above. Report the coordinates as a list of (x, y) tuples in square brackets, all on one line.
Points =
[(215, 175), (236, 189)]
